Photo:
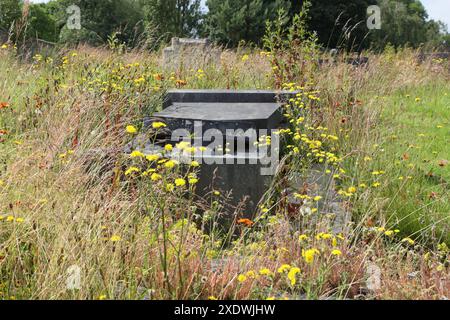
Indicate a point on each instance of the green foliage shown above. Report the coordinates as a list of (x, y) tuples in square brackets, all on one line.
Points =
[(10, 11), (230, 21), (99, 19), (170, 18), (404, 22), (41, 24)]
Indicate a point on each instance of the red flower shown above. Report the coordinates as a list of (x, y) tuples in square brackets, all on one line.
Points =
[(4, 105)]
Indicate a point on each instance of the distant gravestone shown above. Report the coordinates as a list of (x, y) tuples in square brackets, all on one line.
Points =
[(433, 56), (190, 52)]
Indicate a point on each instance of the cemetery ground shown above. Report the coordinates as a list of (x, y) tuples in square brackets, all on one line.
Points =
[(81, 220)]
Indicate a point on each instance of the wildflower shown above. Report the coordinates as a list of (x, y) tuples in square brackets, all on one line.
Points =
[(241, 278), (245, 57), (170, 187), (284, 268), (131, 170), (389, 233), (246, 222), (302, 237), (168, 147), (152, 157), (193, 180), (115, 238), (265, 272), (270, 298), (351, 189), (136, 154), (212, 298), (251, 274), (131, 129), (291, 275), (102, 297), (170, 164), (309, 254), (195, 164), (180, 182), (376, 184), (317, 198), (336, 252), (9, 218), (20, 220), (409, 240), (216, 193), (155, 177)]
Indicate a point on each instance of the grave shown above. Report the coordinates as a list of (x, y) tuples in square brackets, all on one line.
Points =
[(433, 56), (234, 121), (190, 52)]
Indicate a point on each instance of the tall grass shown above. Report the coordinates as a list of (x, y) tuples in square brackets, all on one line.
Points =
[(67, 204)]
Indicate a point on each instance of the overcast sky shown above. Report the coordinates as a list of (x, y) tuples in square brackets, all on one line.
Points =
[(437, 9)]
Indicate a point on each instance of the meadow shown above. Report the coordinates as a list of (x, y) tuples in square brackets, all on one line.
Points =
[(81, 220)]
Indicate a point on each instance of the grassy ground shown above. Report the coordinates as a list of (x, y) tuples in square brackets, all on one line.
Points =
[(79, 225)]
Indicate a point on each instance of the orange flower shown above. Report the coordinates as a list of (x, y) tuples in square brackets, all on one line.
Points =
[(181, 83), (246, 222), (3, 132), (4, 105)]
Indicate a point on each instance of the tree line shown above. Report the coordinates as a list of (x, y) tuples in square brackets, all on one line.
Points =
[(337, 23)]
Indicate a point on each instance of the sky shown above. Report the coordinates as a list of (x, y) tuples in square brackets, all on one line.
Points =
[(437, 9)]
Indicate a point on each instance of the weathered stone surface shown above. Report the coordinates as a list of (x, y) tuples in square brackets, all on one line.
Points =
[(231, 113), (190, 52)]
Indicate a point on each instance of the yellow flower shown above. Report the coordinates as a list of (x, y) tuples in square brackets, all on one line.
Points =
[(309, 254), (195, 163), (351, 189), (241, 278), (102, 297), (302, 237), (283, 268), (180, 182), (20, 220), (291, 275), (212, 298), (170, 164), (152, 157), (10, 218), (168, 147), (131, 170), (409, 240), (251, 274), (157, 125), (270, 298), (317, 198), (115, 238), (336, 252), (155, 177), (265, 272), (389, 233), (131, 129), (216, 193), (170, 187), (245, 57), (136, 154), (193, 181)]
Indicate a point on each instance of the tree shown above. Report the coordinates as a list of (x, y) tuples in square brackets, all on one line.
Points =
[(404, 22), (41, 23), (230, 21), (99, 19), (10, 12), (170, 18)]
